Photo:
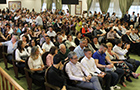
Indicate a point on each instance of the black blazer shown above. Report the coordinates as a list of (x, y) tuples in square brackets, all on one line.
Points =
[(126, 18), (138, 19), (126, 39)]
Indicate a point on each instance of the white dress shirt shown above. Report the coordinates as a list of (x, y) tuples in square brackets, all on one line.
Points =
[(120, 52), (46, 46), (51, 34), (76, 71), (90, 65)]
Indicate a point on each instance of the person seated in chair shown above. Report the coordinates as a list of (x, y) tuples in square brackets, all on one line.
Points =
[(89, 63), (49, 58), (35, 64), (100, 60), (131, 63), (63, 51), (55, 76), (21, 54), (47, 45), (69, 42), (76, 71), (80, 48), (11, 46), (33, 43)]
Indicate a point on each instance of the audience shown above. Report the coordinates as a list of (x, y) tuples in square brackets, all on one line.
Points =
[(89, 63), (131, 63), (100, 60), (55, 76), (57, 29)]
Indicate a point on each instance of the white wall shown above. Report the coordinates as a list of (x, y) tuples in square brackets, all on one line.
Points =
[(30, 4), (84, 7)]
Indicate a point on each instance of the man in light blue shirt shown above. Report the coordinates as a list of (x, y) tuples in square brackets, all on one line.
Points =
[(80, 48), (11, 46)]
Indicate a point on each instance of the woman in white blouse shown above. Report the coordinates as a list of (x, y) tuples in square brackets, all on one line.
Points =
[(21, 54), (35, 62), (32, 44), (69, 42)]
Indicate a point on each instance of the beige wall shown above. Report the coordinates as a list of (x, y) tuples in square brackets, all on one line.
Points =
[(30, 4)]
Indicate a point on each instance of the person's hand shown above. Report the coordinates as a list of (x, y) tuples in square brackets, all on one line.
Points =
[(41, 69), (101, 75), (120, 61), (88, 77), (84, 79)]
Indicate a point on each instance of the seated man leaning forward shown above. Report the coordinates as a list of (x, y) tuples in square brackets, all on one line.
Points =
[(77, 72)]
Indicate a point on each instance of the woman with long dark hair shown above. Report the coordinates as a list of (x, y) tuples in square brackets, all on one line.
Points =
[(21, 54)]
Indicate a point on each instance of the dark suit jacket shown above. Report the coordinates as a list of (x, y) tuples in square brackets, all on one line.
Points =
[(55, 77), (127, 17), (56, 27), (138, 20), (126, 39)]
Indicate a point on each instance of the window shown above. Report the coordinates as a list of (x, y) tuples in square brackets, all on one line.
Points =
[(53, 6), (95, 6), (114, 7), (65, 7), (134, 7)]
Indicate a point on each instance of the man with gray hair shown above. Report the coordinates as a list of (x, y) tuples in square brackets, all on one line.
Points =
[(11, 46), (77, 72), (63, 51), (59, 41), (79, 49)]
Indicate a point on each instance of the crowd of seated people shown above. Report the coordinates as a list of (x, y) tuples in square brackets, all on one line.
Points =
[(31, 34)]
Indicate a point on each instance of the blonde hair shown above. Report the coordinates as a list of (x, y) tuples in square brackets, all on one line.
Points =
[(109, 44)]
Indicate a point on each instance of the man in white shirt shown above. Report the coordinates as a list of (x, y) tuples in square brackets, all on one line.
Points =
[(39, 20), (47, 45), (77, 72), (131, 63), (134, 36), (51, 32), (89, 63)]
